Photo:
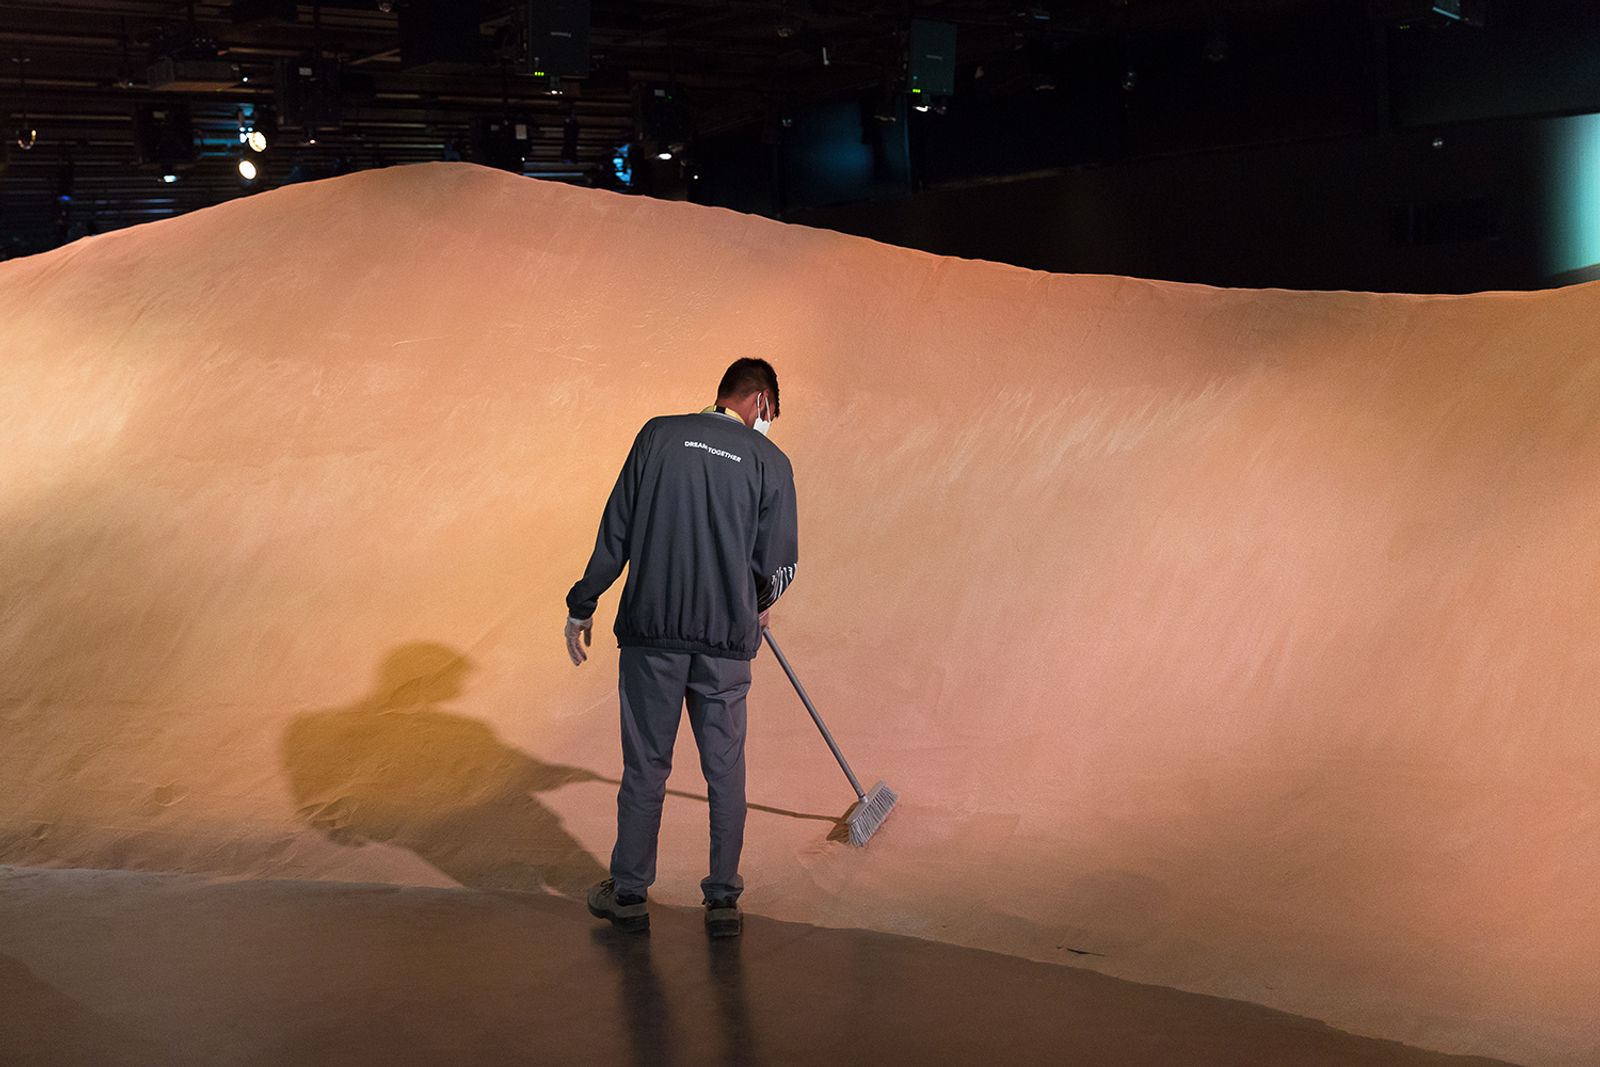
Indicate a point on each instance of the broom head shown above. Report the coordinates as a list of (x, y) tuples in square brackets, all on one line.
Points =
[(869, 813)]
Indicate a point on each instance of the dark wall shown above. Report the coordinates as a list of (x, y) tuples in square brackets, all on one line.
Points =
[(1310, 150), (1391, 213), (1533, 57), (805, 156)]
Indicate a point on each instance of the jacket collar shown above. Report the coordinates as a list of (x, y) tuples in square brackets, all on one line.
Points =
[(718, 409)]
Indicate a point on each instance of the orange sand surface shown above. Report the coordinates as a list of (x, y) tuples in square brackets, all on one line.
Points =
[(1242, 642)]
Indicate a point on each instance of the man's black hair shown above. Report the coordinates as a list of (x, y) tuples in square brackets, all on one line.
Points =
[(746, 376)]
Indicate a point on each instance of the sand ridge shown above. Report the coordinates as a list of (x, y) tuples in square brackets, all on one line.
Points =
[(1235, 641)]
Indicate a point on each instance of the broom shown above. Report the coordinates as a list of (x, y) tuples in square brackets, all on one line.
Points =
[(871, 808)]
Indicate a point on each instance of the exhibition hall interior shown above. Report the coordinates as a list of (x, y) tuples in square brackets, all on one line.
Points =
[(784, 532)]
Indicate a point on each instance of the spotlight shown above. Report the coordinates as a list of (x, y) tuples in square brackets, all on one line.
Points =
[(251, 121), (663, 155), (247, 170), (169, 178), (25, 135), (921, 107)]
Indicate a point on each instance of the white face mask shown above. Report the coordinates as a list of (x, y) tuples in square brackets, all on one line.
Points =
[(760, 425)]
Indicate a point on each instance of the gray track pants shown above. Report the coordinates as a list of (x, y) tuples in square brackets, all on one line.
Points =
[(653, 685)]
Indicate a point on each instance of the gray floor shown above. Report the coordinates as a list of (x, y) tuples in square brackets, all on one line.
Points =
[(118, 968)]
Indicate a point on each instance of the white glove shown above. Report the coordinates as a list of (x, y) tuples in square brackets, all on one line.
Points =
[(575, 628)]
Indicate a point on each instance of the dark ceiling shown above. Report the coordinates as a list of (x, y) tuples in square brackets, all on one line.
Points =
[(77, 70)]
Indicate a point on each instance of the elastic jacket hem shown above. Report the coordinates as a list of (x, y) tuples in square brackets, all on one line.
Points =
[(668, 644)]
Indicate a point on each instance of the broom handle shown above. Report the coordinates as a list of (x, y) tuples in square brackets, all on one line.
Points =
[(826, 736)]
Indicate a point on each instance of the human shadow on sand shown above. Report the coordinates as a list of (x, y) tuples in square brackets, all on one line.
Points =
[(398, 769)]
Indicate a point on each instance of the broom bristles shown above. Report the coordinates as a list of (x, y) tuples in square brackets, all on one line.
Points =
[(869, 814)]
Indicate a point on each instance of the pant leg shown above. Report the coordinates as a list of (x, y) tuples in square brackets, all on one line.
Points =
[(651, 685), (717, 689)]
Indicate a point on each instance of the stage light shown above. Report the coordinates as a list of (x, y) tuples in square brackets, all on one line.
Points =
[(247, 170), (250, 132), (25, 136), (663, 155), (169, 178)]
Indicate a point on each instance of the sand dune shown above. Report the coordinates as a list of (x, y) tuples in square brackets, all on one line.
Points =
[(1241, 642)]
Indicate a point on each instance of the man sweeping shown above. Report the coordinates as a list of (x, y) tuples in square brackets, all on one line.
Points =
[(703, 514)]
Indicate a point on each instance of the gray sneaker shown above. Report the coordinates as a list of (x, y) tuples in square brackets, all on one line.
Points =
[(723, 918), (627, 911)]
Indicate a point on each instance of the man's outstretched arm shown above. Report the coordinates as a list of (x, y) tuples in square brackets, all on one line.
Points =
[(610, 551)]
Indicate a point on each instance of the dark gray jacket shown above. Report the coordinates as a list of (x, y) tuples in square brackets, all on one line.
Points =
[(703, 514)]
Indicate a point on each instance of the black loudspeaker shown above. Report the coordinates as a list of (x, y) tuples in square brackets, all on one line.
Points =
[(441, 35), (502, 143), (309, 93), (163, 134), (569, 140), (931, 64), (558, 38), (659, 113)]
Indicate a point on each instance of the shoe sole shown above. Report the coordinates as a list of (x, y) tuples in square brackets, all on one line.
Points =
[(633, 924)]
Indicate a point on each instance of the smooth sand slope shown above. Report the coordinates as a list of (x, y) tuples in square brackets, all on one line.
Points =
[(1240, 642)]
